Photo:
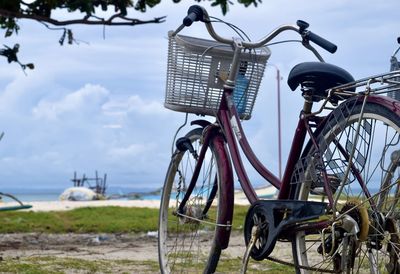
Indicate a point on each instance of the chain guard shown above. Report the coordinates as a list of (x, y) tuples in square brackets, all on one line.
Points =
[(271, 217)]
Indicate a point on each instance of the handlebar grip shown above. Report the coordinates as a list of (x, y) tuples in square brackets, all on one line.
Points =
[(189, 19), (195, 13), (322, 42)]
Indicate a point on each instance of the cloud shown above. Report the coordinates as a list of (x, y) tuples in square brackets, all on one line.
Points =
[(81, 100), (131, 151), (134, 104), (113, 126), (100, 105)]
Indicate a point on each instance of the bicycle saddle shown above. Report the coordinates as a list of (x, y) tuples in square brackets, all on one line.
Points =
[(317, 77)]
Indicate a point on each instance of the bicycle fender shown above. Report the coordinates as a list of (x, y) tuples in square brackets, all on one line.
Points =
[(387, 102), (225, 213)]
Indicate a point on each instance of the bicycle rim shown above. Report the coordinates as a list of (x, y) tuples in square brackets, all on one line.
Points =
[(187, 240), (369, 242)]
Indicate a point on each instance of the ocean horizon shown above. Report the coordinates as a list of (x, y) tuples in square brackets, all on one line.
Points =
[(112, 193), (53, 194)]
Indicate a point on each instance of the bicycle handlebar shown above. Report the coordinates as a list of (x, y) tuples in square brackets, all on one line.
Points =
[(322, 42), (198, 13), (195, 13)]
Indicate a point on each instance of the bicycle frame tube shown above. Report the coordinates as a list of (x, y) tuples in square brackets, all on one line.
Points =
[(294, 155), (230, 123), (224, 118)]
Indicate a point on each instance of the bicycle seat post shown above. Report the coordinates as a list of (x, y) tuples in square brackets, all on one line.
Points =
[(307, 106)]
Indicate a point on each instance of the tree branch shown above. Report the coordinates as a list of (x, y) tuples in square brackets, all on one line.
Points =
[(109, 22)]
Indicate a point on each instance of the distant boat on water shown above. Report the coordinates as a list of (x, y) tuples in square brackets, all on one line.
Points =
[(266, 192), (139, 195)]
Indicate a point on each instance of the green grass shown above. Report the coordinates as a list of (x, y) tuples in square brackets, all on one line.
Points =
[(56, 265), (92, 220), (82, 220), (239, 215)]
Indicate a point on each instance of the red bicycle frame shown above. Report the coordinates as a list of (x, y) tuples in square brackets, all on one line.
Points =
[(230, 124), (229, 130), (232, 128)]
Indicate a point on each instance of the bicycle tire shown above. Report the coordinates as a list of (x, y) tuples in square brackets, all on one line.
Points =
[(376, 246), (187, 245)]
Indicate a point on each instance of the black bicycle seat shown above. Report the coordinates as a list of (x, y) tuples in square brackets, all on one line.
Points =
[(318, 77)]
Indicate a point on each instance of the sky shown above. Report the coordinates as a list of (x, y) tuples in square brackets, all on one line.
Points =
[(99, 105)]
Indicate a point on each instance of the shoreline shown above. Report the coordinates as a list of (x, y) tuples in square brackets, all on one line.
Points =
[(38, 206), (42, 206)]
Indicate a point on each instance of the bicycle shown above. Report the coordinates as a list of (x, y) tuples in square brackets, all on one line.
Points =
[(338, 198)]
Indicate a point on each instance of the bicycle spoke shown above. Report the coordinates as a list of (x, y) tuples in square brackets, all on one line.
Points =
[(357, 196)]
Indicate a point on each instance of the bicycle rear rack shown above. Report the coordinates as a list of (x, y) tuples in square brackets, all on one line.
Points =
[(381, 84), (378, 84)]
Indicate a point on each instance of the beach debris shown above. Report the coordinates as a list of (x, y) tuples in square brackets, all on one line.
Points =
[(152, 234), (99, 239), (80, 194), (99, 183)]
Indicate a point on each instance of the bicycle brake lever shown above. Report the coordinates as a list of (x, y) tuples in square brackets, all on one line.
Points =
[(303, 25)]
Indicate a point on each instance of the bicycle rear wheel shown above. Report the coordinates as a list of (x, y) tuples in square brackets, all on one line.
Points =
[(188, 241), (363, 235)]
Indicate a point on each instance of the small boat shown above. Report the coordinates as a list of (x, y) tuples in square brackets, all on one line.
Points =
[(265, 192)]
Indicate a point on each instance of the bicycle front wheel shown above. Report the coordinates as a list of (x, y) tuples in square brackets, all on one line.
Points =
[(188, 240), (358, 153)]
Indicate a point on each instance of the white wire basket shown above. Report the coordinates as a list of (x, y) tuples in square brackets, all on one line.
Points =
[(197, 70)]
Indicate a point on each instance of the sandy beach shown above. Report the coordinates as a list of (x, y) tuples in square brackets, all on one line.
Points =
[(68, 205)]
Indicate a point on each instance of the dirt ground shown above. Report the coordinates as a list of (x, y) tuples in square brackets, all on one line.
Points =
[(139, 248), (83, 246)]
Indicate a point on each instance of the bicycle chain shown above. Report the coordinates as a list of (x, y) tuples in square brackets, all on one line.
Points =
[(255, 234), (300, 266)]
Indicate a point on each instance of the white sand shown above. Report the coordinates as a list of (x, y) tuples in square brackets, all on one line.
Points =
[(68, 205)]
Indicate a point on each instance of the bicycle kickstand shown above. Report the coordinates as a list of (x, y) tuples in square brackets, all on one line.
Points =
[(255, 233)]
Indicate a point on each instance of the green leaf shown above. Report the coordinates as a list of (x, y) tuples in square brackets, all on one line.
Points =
[(10, 5), (8, 33)]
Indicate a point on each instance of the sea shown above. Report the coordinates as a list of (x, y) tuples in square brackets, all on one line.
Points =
[(112, 193), (53, 194)]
